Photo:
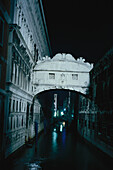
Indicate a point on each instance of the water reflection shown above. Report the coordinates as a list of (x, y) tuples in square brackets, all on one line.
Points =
[(61, 128), (64, 136), (54, 129), (54, 137), (32, 166), (58, 136), (60, 149)]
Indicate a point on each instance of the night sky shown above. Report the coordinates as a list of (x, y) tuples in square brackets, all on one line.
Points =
[(81, 28)]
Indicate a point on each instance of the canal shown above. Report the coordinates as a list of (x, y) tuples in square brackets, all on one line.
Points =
[(59, 149)]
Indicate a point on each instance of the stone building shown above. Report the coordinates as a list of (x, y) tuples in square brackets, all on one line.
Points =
[(63, 71), (95, 121), (28, 42), (4, 31)]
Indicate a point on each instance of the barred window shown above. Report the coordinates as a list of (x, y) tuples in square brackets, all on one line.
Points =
[(75, 76), (51, 75)]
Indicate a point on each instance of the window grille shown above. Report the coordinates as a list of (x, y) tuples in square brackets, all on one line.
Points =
[(51, 75), (75, 76)]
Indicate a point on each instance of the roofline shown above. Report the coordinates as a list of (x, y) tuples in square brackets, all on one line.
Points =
[(45, 26)]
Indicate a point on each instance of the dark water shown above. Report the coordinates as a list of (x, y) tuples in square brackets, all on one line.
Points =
[(60, 149)]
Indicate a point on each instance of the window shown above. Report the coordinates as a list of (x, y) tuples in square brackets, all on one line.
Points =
[(22, 121), (34, 52), (17, 121), (11, 122), (75, 76), (51, 75), (1, 31), (16, 106), (20, 107), (10, 105), (13, 105)]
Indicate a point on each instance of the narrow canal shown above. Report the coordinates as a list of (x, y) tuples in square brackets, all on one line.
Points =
[(60, 149)]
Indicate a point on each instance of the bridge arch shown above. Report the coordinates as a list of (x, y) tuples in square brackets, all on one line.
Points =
[(63, 71)]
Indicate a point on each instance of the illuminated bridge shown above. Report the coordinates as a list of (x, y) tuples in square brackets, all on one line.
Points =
[(61, 72)]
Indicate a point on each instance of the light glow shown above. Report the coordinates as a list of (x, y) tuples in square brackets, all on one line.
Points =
[(63, 124), (61, 128), (62, 113), (55, 114)]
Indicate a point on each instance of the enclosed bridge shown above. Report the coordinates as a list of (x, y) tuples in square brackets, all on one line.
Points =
[(63, 71)]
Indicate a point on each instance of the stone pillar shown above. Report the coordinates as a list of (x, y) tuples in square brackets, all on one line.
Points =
[(11, 105), (17, 74), (17, 14), (21, 78), (13, 73)]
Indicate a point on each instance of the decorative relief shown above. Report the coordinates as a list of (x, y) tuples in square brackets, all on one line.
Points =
[(62, 76), (85, 83)]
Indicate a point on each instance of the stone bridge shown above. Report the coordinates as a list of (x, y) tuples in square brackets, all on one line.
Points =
[(63, 71)]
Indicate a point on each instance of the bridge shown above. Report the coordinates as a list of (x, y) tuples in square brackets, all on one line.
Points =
[(63, 71)]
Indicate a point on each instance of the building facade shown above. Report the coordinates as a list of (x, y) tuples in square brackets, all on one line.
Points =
[(95, 121), (4, 31), (61, 72), (27, 43)]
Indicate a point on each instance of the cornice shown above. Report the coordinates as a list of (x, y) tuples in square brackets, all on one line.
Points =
[(22, 41), (10, 87), (37, 20)]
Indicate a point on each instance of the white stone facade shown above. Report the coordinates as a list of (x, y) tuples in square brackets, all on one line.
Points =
[(61, 72), (27, 44)]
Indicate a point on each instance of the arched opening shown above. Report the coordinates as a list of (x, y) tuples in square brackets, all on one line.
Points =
[(54, 106)]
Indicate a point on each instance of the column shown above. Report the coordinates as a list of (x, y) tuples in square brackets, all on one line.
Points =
[(13, 73), (20, 77), (15, 13), (17, 75), (11, 105)]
